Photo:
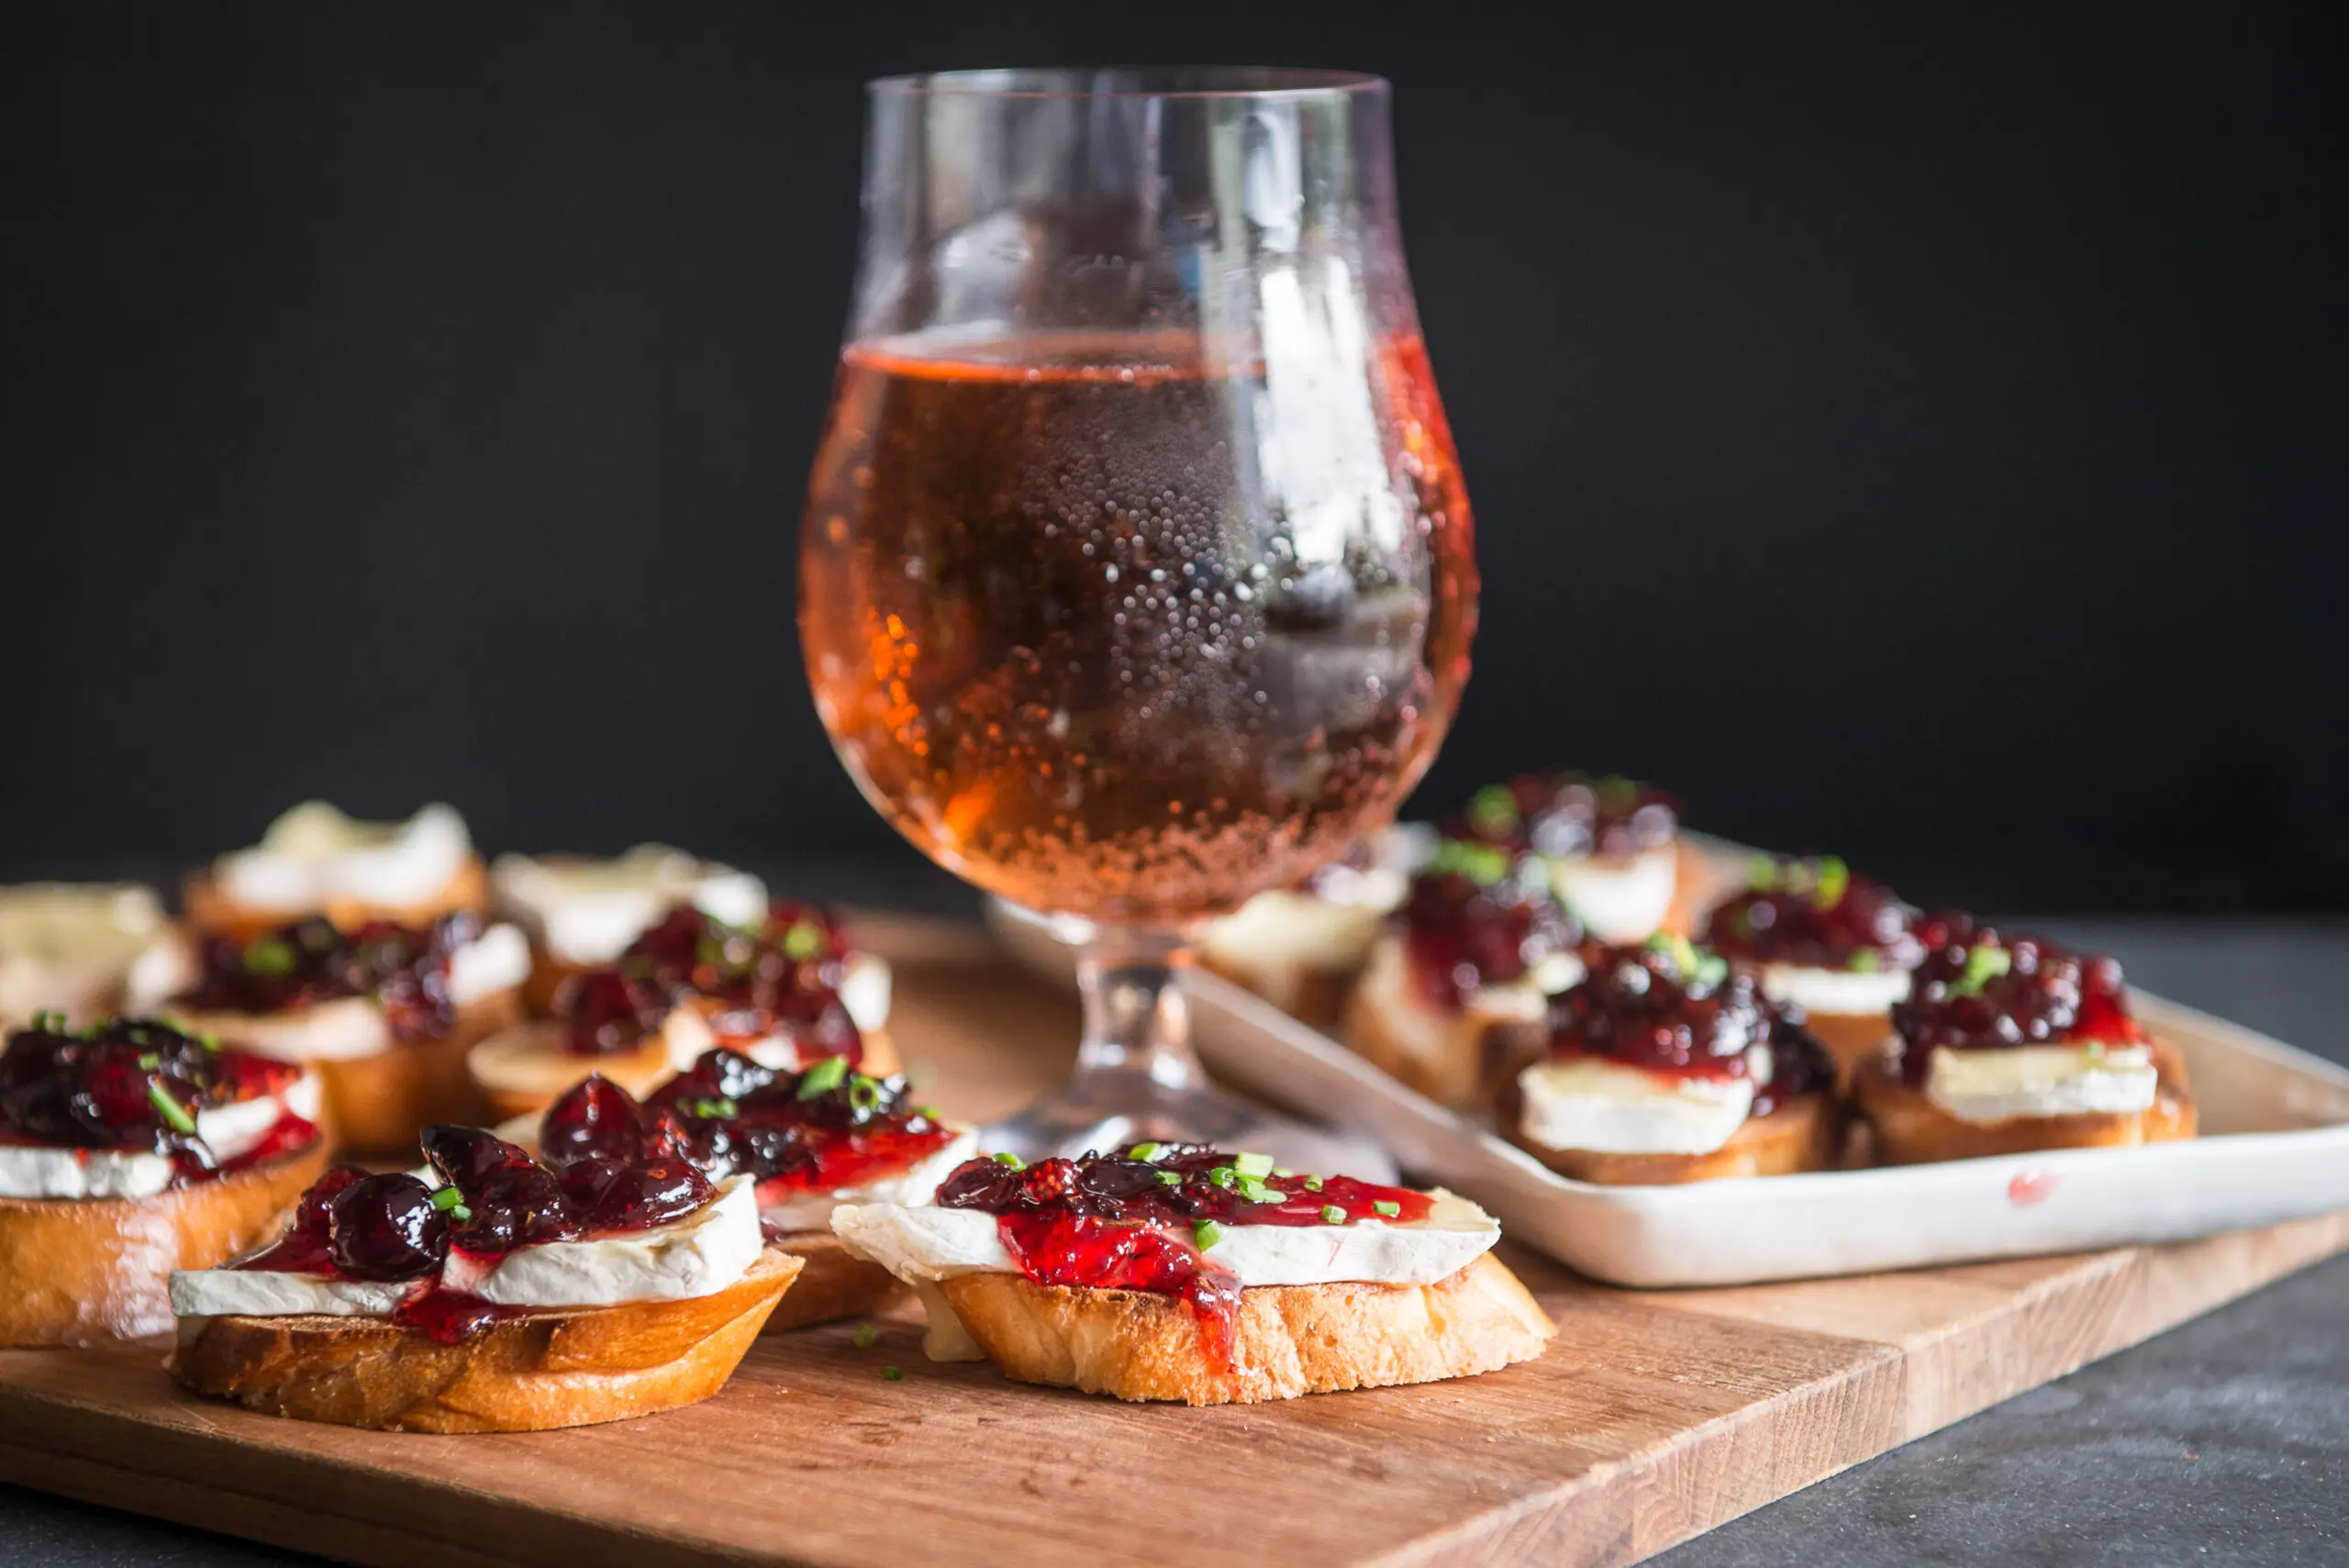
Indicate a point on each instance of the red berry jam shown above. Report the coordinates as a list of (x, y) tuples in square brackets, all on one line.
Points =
[(1978, 991), (829, 1129), (403, 968), (1571, 816), (138, 1085), (491, 1199), (1141, 1220), (781, 979), (1478, 916), (1815, 915), (1673, 1007)]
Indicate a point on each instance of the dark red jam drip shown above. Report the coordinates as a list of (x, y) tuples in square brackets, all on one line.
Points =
[(1815, 915), (782, 979), (1570, 815), (1478, 917), (1978, 991), (403, 968), (136, 1086), (1123, 1222), (823, 1130), (1672, 1007), (494, 1199)]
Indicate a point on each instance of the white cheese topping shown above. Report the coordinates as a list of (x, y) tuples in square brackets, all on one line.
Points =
[(69, 947), (1995, 1086), (917, 1185), (1610, 1108), (1389, 988), (38, 1171), (698, 1255), (350, 1027), (1618, 901), (585, 912), (866, 986), (313, 854), (1332, 928), (1835, 993)]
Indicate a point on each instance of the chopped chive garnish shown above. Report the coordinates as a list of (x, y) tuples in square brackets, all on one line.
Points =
[(1762, 874), (1492, 811), (270, 955), (1145, 1151), (1864, 961), (892, 1375), (1834, 880), (823, 1078), (709, 1109), (1332, 1215), (866, 1093), (1171, 1178), (1205, 1233), (1259, 1165), (209, 1040), (1223, 1175), (173, 1113), (1983, 964), (804, 941), (447, 1197), (1388, 1207), (928, 1113), (1014, 1160), (1282, 1171), (149, 1062), (865, 1337), (1313, 1184)]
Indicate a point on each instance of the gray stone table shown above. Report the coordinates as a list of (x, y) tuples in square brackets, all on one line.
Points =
[(2224, 1441)]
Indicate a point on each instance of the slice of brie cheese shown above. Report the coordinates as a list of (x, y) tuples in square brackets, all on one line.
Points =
[(2001, 1084), (1618, 901), (1834, 993), (313, 854), (42, 1170), (923, 1244), (585, 912), (1608, 1107), (916, 1185)]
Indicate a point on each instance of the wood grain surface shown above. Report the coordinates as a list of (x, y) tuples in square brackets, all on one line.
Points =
[(1655, 1415)]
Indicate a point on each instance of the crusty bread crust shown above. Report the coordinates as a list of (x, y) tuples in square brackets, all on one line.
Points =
[(1801, 1134), (1451, 1074), (84, 1271), (1317, 996), (1288, 1339), (1909, 1129), (559, 1368), (834, 1283), (210, 908), (376, 1103), (1850, 1038), (1696, 881), (521, 1072)]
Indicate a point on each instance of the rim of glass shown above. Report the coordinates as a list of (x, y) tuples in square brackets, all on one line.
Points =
[(1130, 82)]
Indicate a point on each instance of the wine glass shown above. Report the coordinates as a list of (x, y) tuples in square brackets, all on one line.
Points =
[(1136, 569)]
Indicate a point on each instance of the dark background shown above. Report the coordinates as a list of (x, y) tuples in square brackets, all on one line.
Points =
[(1917, 436)]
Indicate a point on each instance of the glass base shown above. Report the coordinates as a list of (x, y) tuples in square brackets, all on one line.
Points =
[(1109, 1111)]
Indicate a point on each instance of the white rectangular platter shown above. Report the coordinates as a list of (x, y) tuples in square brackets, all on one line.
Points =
[(2274, 1146)]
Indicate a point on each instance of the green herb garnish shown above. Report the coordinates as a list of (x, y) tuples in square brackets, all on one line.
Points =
[(174, 1114), (865, 1337), (1387, 1207), (1205, 1233), (1171, 1178), (1008, 1158), (804, 941), (892, 1375), (1492, 811), (1332, 1215), (1983, 964), (1313, 1184), (823, 1078), (1258, 1165), (1834, 880), (712, 1109), (271, 956), (1483, 864), (1762, 874), (1864, 962), (1145, 1151), (1223, 1176), (866, 1093), (149, 1062)]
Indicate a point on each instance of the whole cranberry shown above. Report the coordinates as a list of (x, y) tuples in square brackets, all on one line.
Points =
[(593, 1116), (466, 1155), (386, 1227), (616, 1194), (520, 1205)]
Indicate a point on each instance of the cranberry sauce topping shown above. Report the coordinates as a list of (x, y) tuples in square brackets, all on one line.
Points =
[(492, 1198), (1815, 914), (1571, 814), (1978, 991), (136, 1084), (829, 1129), (782, 979), (1673, 1007), (403, 968), (1142, 1220), (1477, 916)]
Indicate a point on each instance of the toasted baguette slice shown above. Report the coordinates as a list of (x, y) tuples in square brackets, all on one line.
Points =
[(1696, 887), (1317, 996), (1909, 1129), (564, 1367), (1288, 1339), (1850, 1038), (834, 1283), (209, 908), (84, 1271), (1802, 1134)]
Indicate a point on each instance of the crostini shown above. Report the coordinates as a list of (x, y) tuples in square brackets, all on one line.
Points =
[(316, 861), (808, 1141), (1613, 846), (2007, 1045), (490, 1294), (1177, 1272), (786, 992), (385, 1013), (1471, 959), (1836, 945), (580, 913), (1302, 948), (128, 1149), (69, 947), (1668, 1064)]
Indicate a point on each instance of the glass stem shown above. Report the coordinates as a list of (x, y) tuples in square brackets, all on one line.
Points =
[(1137, 1023)]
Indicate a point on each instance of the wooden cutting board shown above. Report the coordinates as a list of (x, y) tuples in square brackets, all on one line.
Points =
[(1654, 1416)]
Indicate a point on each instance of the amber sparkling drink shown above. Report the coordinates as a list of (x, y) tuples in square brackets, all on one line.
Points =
[(1070, 645)]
